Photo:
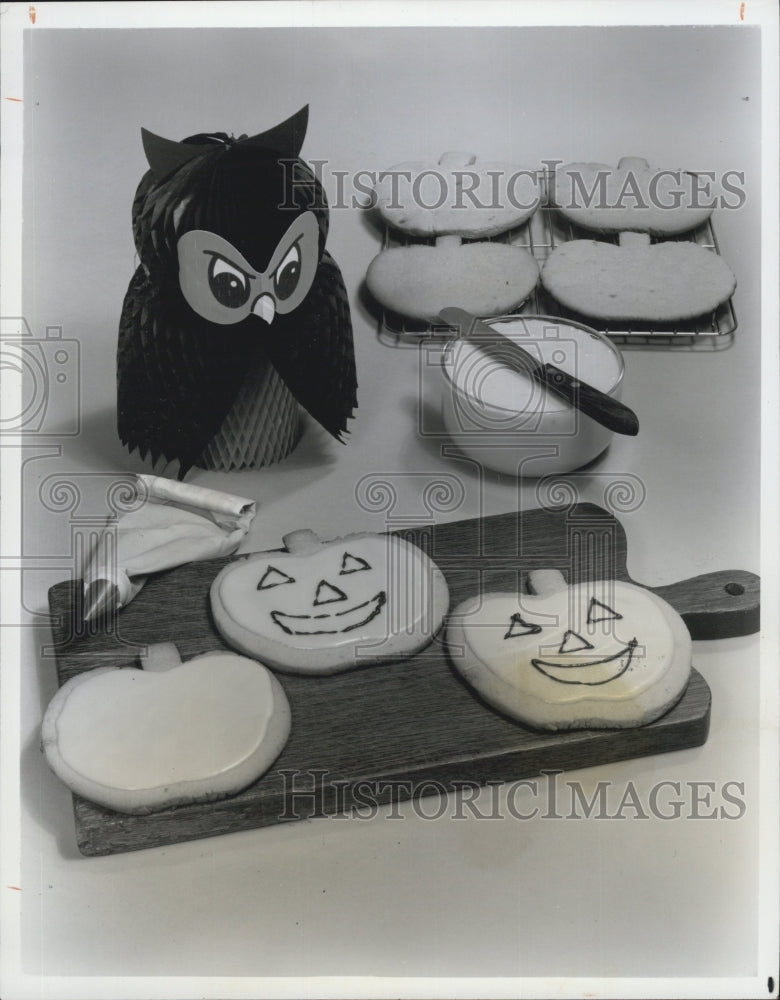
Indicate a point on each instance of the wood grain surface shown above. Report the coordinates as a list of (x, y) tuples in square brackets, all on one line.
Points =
[(412, 725)]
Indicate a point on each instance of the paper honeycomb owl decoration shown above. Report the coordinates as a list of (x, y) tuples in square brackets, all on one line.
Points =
[(233, 276)]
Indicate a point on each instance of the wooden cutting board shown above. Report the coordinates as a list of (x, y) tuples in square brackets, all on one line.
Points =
[(408, 728)]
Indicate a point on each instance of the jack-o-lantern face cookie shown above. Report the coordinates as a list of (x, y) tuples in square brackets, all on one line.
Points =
[(321, 607), (602, 654)]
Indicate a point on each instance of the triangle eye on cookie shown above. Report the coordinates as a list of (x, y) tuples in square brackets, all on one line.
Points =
[(518, 626), (328, 594), (352, 564), (274, 577), (572, 641), (599, 612)]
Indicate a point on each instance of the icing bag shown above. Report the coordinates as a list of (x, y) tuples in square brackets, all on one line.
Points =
[(174, 523)]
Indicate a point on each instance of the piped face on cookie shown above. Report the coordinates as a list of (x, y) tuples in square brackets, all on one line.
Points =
[(604, 653), (580, 642), (331, 606), (327, 606)]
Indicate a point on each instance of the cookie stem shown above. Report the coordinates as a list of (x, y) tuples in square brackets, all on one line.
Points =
[(301, 541), (161, 656), (633, 163), (456, 158), (545, 582), (630, 239)]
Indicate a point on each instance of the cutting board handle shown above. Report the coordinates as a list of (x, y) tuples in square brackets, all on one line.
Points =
[(716, 605)]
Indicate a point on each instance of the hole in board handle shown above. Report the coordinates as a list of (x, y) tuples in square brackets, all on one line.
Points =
[(735, 589)]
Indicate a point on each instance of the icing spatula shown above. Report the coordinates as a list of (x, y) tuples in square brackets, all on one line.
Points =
[(597, 405)]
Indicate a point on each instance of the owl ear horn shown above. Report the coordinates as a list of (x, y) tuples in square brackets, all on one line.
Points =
[(164, 155), (285, 138)]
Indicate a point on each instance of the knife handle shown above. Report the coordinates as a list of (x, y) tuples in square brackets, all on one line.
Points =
[(604, 409), (716, 605)]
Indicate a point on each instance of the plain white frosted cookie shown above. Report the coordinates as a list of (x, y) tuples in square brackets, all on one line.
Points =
[(658, 282), (600, 655), (138, 741), (322, 607), (485, 279), (461, 194), (631, 196)]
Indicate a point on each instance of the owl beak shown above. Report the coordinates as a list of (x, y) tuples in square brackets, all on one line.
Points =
[(264, 308)]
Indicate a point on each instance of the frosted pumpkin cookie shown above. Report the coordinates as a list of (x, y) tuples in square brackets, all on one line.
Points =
[(485, 279), (138, 741), (461, 194), (631, 196), (637, 280), (604, 654), (322, 607)]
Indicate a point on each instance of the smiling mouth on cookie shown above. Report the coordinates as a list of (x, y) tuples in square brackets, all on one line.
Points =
[(328, 624), (590, 672)]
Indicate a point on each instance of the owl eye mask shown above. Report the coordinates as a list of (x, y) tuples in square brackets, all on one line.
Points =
[(221, 285), (601, 654), (322, 607)]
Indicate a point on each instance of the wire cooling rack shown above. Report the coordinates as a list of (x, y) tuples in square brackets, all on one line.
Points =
[(540, 235)]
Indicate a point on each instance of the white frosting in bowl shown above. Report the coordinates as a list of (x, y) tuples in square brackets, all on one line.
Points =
[(576, 350), (507, 421)]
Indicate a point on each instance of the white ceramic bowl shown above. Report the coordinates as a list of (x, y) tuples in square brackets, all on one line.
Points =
[(506, 421)]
